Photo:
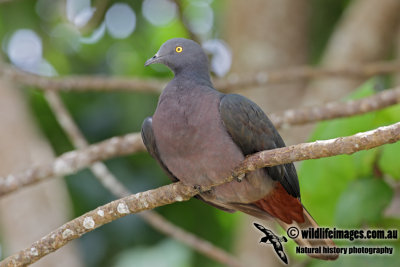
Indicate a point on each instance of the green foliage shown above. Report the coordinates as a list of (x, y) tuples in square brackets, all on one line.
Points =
[(389, 160), (324, 16), (325, 178), (349, 191), (360, 260), (166, 253), (327, 185), (362, 202)]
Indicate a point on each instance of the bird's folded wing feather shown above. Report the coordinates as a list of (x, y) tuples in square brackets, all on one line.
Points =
[(252, 132), (151, 146)]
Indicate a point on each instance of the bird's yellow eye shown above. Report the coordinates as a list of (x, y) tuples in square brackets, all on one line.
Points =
[(179, 49)]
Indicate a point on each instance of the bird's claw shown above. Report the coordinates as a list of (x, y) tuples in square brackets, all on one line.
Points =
[(239, 177), (198, 188)]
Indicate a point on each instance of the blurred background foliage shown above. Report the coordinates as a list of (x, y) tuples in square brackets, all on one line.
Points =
[(352, 192), (114, 39)]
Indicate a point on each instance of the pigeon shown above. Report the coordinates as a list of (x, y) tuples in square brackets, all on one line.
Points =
[(198, 135)]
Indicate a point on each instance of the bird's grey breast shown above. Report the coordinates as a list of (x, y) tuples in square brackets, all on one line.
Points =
[(195, 146), (190, 135)]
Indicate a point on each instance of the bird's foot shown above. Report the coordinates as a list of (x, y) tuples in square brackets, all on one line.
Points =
[(198, 188), (239, 177)]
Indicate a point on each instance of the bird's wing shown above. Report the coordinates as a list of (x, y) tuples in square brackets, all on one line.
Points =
[(252, 132), (271, 238), (279, 250), (151, 146), (260, 227)]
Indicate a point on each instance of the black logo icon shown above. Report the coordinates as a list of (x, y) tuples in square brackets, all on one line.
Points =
[(271, 238)]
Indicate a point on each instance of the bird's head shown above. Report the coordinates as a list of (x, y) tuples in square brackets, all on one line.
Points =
[(180, 54)]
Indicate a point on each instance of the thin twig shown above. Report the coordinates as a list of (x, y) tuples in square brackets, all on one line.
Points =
[(109, 181), (335, 110), (201, 245), (233, 82), (98, 16), (184, 21), (238, 81), (180, 192), (100, 170), (74, 161), (81, 83)]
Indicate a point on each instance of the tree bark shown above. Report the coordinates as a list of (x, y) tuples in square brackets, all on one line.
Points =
[(364, 34), (29, 214)]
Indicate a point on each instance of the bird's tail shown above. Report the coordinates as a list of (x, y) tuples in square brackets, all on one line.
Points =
[(308, 223)]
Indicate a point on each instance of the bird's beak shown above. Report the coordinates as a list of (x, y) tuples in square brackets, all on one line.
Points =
[(152, 60)]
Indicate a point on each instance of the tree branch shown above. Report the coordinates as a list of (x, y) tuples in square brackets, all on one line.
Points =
[(179, 192), (322, 149), (70, 162), (73, 161), (191, 240), (97, 18), (81, 83), (109, 181), (233, 82), (99, 169), (98, 217), (185, 24), (335, 110)]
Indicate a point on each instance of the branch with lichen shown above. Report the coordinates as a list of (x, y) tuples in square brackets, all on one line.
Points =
[(80, 83), (109, 181), (232, 82), (335, 110), (298, 73), (99, 169), (180, 192), (71, 162)]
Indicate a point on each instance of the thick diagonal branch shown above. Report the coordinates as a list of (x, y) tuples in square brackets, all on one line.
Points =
[(109, 181), (180, 192)]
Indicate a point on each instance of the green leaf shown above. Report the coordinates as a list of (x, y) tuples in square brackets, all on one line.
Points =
[(363, 202), (388, 115), (166, 253), (351, 125), (389, 160), (361, 260), (389, 222), (322, 181)]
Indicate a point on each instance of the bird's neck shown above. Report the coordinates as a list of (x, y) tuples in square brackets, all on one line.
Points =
[(197, 75)]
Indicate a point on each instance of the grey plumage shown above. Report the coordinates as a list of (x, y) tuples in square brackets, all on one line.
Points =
[(198, 135), (252, 131)]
